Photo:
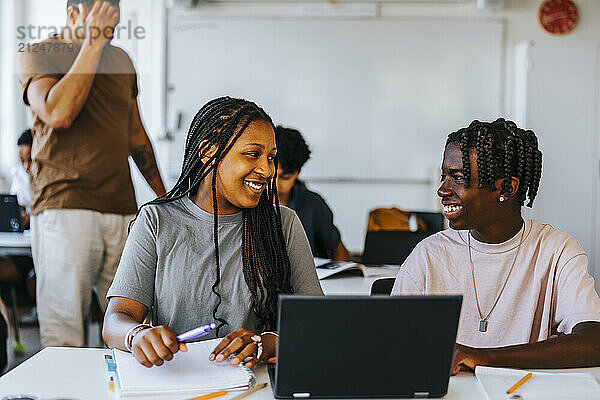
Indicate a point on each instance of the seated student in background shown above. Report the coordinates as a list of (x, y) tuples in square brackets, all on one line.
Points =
[(214, 248), (523, 282), (316, 216), (16, 269), (20, 176)]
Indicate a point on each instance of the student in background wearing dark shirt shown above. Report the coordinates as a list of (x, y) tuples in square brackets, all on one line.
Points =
[(18, 269), (315, 215)]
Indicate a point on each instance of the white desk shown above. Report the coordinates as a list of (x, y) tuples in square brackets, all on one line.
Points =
[(79, 374), (346, 283), (15, 243)]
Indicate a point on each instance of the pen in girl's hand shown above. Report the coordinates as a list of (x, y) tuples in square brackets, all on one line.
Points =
[(195, 333)]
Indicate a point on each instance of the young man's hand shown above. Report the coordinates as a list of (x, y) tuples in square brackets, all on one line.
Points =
[(467, 358), (25, 217)]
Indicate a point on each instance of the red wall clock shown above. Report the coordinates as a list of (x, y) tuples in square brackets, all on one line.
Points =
[(558, 16)]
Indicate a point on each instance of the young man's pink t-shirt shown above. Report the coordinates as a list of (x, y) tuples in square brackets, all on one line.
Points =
[(549, 290)]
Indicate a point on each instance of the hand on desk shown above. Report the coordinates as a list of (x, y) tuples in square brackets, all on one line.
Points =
[(25, 217), (467, 358), (240, 342), (156, 345)]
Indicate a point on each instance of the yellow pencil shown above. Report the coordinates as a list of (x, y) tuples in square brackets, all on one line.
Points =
[(210, 395), (519, 383), (250, 391)]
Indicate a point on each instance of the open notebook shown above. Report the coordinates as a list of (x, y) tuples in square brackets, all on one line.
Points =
[(327, 268), (542, 385), (188, 373)]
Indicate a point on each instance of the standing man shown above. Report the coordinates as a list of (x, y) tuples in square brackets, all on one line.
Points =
[(83, 96)]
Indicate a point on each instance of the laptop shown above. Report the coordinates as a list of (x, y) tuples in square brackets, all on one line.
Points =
[(359, 346), (391, 247), (10, 214)]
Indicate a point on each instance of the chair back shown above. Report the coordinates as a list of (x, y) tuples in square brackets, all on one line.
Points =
[(382, 286)]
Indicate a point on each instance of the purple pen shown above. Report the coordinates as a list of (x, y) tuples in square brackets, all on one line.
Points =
[(195, 333)]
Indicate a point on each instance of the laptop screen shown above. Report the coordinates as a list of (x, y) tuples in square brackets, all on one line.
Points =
[(10, 214), (391, 247), (352, 347)]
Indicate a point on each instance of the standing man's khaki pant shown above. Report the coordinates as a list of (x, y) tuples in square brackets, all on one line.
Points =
[(73, 252)]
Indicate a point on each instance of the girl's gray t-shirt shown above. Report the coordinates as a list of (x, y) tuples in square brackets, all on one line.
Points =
[(168, 264)]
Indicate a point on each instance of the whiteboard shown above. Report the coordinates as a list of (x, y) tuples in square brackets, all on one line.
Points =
[(374, 98)]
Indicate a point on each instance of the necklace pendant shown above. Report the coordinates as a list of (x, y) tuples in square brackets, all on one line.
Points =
[(483, 325)]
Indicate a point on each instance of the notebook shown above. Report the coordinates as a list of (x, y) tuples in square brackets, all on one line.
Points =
[(327, 268), (542, 385), (188, 373)]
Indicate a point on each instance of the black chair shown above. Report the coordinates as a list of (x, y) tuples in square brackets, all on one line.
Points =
[(13, 312), (95, 316), (433, 220), (382, 286), (3, 343)]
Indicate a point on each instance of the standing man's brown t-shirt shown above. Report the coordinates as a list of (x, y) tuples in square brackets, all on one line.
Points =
[(86, 165)]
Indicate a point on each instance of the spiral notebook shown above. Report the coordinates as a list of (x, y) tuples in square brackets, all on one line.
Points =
[(188, 373)]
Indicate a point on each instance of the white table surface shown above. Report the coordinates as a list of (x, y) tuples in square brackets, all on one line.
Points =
[(79, 374), (349, 283), (15, 243)]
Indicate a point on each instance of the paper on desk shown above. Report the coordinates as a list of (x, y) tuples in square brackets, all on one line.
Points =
[(542, 385), (188, 372)]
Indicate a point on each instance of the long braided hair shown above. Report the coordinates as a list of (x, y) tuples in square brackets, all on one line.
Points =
[(266, 265), (503, 151)]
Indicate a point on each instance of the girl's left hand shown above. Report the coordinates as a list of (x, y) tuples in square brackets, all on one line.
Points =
[(240, 343)]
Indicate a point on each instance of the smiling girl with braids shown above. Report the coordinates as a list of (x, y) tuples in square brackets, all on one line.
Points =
[(214, 248), (522, 282)]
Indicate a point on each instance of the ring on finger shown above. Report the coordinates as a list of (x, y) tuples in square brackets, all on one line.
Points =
[(257, 339)]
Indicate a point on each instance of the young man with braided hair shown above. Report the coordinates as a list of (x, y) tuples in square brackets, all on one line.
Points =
[(83, 96), (528, 300)]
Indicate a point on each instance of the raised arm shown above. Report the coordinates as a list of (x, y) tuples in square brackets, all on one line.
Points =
[(142, 152), (150, 346), (59, 101), (581, 348)]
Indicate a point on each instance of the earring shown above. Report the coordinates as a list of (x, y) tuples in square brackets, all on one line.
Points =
[(501, 198)]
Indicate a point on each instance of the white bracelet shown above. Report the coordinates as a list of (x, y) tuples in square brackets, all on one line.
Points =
[(132, 332), (270, 333)]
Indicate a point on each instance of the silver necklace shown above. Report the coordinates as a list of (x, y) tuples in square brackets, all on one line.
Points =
[(483, 321)]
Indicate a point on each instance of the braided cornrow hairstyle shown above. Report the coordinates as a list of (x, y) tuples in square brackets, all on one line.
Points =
[(266, 265), (503, 151)]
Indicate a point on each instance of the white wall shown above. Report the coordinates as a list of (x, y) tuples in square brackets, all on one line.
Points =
[(520, 17)]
